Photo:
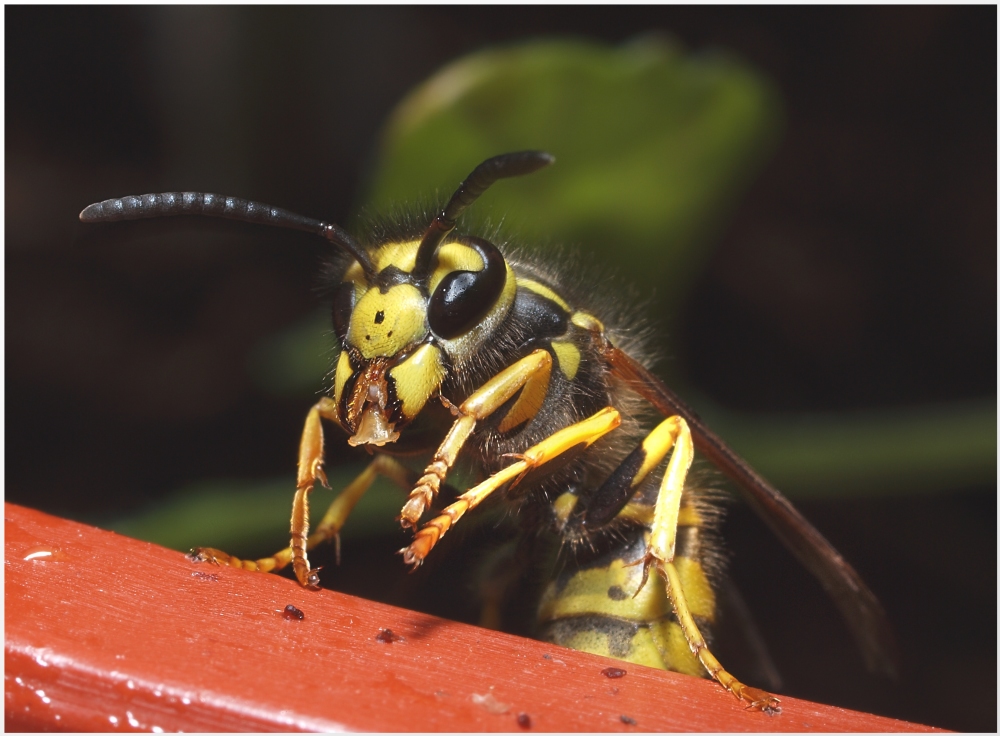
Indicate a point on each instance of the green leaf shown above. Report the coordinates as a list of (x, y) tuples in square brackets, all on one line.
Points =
[(652, 146)]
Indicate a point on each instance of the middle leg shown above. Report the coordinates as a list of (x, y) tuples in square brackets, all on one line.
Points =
[(583, 433)]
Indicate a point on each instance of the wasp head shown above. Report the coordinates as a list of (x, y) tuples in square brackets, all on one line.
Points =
[(403, 328), (409, 312)]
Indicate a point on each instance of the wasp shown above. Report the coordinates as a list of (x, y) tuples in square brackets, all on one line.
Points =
[(454, 346)]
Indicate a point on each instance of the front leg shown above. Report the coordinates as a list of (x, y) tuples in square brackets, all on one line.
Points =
[(310, 470), (580, 435), (530, 373), (331, 524)]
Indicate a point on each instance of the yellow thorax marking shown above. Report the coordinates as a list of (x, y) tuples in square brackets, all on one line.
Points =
[(587, 321), (642, 513), (543, 290), (569, 358)]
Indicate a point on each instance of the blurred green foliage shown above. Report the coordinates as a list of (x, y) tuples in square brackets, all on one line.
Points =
[(651, 145), (240, 516), (652, 148)]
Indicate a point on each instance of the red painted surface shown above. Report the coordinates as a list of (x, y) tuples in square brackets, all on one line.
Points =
[(107, 633)]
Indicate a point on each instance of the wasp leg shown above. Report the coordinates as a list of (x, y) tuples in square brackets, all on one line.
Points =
[(333, 521), (754, 698), (310, 470), (336, 515), (530, 373), (581, 434), (619, 488), (660, 553)]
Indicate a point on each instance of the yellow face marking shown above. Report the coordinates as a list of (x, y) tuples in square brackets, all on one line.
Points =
[(417, 378), (454, 257), (355, 274), (401, 255), (383, 324), (569, 358), (340, 377), (543, 290)]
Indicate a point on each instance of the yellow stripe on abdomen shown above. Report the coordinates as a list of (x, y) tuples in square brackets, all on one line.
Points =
[(593, 609)]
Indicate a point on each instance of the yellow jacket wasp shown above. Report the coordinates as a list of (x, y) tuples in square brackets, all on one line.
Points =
[(442, 332)]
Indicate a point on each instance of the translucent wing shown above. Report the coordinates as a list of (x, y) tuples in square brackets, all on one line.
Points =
[(857, 604)]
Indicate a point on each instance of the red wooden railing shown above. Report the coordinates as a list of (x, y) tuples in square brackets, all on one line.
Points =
[(107, 633)]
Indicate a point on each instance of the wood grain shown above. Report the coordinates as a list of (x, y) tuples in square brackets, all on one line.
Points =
[(107, 633)]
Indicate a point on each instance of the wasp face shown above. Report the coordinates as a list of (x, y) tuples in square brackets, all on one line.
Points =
[(402, 331)]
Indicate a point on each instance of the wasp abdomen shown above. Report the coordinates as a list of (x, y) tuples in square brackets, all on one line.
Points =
[(598, 605)]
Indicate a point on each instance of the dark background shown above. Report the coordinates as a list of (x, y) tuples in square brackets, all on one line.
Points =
[(126, 355)]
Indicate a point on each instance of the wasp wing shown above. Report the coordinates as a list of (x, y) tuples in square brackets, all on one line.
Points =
[(857, 604)]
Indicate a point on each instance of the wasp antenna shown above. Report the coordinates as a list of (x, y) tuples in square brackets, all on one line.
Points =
[(338, 236), (169, 204), (481, 179)]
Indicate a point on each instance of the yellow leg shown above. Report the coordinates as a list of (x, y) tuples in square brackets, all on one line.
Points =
[(311, 470), (531, 373), (754, 698), (660, 552), (582, 433), (329, 528), (336, 515)]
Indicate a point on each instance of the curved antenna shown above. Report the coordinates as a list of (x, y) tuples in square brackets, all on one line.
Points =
[(481, 179), (232, 208)]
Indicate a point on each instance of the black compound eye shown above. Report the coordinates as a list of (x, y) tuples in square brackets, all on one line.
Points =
[(343, 305), (463, 298)]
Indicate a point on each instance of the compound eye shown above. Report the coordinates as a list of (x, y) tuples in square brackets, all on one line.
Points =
[(463, 298), (343, 306)]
